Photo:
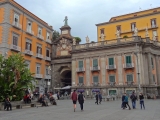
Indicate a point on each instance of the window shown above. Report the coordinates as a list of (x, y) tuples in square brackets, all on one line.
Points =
[(40, 31), (133, 25), (128, 60), (39, 50), (102, 31), (152, 63), (38, 69), (80, 64), (95, 79), (129, 78), (48, 35), (153, 23), (27, 64), (119, 28), (95, 63), (16, 18), (15, 40), (47, 70), (80, 79), (154, 33), (112, 78), (28, 46), (112, 92), (29, 26), (47, 53), (111, 61)]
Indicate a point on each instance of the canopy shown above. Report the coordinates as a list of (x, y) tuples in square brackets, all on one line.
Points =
[(66, 87)]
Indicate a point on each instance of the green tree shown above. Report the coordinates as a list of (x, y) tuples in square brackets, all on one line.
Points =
[(14, 77), (78, 40), (55, 35)]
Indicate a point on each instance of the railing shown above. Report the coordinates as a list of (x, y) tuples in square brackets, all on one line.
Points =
[(80, 84), (48, 41), (47, 77), (15, 48), (129, 82), (38, 75), (28, 52), (95, 84), (80, 69), (29, 31), (17, 25), (39, 56), (48, 58), (111, 67), (40, 36), (128, 65), (112, 83), (95, 68)]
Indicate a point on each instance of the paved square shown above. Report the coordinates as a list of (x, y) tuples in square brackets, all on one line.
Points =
[(106, 111)]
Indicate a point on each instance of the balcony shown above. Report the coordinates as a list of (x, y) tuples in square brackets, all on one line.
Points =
[(47, 76), (38, 76), (48, 59), (128, 66), (15, 48), (80, 84), (17, 25), (95, 68), (111, 67), (30, 32), (39, 56), (129, 83), (49, 41), (39, 36), (80, 69), (154, 26), (28, 52), (112, 83), (95, 84)]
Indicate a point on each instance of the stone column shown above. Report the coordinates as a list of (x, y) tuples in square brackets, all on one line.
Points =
[(158, 70), (150, 69), (120, 69), (88, 72), (73, 72), (103, 70)]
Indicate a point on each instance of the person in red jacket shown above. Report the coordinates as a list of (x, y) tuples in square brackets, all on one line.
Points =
[(74, 99)]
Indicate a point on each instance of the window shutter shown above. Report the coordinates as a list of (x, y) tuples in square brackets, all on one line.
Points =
[(111, 61), (112, 78), (30, 46), (80, 64), (37, 49), (41, 50), (95, 63), (80, 79), (128, 59), (95, 79)]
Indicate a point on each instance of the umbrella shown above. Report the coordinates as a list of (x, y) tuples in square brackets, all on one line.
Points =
[(66, 87)]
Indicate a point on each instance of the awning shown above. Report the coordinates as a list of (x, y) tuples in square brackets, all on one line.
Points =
[(95, 90), (66, 87), (57, 88), (80, 90)]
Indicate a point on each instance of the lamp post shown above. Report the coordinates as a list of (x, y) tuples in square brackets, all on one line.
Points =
[(48, 83), (139, 85)]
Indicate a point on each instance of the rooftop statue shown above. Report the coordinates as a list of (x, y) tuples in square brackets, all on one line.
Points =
[(102, 36), (147, 34), (87, 39), (118, 34), (65, 21), (74, 41), (135, 31)]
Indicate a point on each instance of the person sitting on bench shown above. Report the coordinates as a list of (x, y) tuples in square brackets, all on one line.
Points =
[(7, 104), (44, 101)]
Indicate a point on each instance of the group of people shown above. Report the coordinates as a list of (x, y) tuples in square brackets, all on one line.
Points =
[(133, 98), (98, 98), (27, 98)]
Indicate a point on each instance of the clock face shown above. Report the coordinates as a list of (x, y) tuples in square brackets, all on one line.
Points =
[(65, 32)]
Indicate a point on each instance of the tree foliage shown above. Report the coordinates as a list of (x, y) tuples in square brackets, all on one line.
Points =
[(55, 35), (14, 77), (78, 40)]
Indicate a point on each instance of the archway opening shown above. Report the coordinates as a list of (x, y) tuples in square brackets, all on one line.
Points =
[(66, 78)]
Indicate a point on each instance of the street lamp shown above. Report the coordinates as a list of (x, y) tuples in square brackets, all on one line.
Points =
[(48, 83), (136, 53)]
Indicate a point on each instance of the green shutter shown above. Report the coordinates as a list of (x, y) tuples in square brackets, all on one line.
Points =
[(111, 61), (129, 78), (95, 79), (112, 78), (128, 59), (80, 79), (95, 63), (80, 64)]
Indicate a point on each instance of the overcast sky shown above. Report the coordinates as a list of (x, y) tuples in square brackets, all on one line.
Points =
[(83, 14)]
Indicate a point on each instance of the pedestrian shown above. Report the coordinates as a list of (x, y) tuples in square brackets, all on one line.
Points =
[(74, 99), (81, 100), (123, 97), (126, 102), (141, 98), (133, 98), (100, 98), (97, 97)]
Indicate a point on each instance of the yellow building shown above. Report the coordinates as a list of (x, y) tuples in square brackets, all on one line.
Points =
[(126, 24), (22, 31)]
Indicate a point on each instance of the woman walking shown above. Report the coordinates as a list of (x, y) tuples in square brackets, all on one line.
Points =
[(81, 100), (141, 98), (126, 102), (74, 99)]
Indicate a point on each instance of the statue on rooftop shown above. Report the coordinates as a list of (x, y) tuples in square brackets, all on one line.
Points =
[(102, 36), (147, 34), (87, 39), (154, 37), (74, 41), (65, 21), (118, 34), (135, 31)]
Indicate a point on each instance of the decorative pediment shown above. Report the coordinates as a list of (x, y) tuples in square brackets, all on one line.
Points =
[(64, 44)]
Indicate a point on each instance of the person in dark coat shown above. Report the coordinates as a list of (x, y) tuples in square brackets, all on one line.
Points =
[(7, 104), (81, 100), (74, 99), (141, 98), (133, 97), (100, 98), (123, 105), (97, 97)]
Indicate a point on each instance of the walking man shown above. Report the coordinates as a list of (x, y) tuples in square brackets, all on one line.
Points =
[(123, 105), (97, 97), (81, 100), (126, 102), (141, 98), (74, 99), (133, 99)]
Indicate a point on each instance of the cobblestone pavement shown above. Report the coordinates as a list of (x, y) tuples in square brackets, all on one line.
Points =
[(106, 111)]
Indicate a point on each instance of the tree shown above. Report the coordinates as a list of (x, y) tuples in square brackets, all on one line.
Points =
[(125, 36), (78, 40), (14, 77), (55, 35)]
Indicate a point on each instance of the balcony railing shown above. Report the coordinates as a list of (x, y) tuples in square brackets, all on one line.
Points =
[(80, 84), (15, 48), (112, 83), (48, 59), (129, 82), (95, 84), (17, 25), (128, 65), (154, 26), (80, 69), (30, 32), (40, 37), (38, 76), (47, 76), (39, 56), (111, 67), (28, 52), (48, 41), (95, 68)]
